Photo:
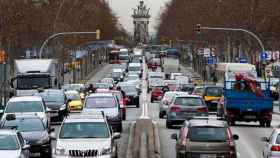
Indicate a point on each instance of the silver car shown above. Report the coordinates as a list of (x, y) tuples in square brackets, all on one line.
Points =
[(86, 135), (166, 100), (13, 145), (272, 146)]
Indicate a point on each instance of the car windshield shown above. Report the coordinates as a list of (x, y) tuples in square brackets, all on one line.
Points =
[(52, 97), (132, 77), (102, 86), (29, 82), (129, 89), (73, 96), (24, 106), (80, 130), (123, 57), (134, 68), (214, 91), (100, 102), (8, 142), (188, 101), (69, 87), (198, 90), (26, 125), (207, 134)]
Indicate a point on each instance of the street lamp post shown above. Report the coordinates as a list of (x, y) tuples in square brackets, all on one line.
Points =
[(97, 33)]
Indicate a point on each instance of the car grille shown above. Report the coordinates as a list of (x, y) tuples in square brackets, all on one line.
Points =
[(83, 153), (199, 155)]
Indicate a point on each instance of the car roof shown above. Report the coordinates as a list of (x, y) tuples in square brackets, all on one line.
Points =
[(72, 92), (206, 122), (94, 116), (186, 95), (8, 131), (26, 98)]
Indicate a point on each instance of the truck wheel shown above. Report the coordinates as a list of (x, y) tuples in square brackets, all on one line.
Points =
[(262, 123), (268, 123)]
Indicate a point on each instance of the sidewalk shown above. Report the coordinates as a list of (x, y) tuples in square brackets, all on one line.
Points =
[(276, 109)]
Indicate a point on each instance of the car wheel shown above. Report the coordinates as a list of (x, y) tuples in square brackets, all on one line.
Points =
[(116, 152), (47, 154), (120, 128), (168, 124), (124, 116), (262, 123), (268, 123), (137, 103), (161, 114), (152, 100)]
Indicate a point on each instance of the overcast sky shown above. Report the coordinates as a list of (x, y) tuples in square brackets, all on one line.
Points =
[(123, 10)]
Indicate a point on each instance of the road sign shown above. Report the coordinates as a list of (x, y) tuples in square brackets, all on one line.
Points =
[(263, 56), (242, 59), (210, 60)]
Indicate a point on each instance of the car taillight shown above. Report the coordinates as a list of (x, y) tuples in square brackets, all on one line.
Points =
[(232, 151), (275, 148), (202, 109), (175, 109)]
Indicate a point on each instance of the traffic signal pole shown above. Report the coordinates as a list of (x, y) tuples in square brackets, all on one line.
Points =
[(97, 33)]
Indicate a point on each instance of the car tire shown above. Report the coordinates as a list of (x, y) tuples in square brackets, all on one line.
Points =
[(161, 114), (268, 123), (124, 117), (262, 123), (152, 100), (47, 154), (168, 125), (137, 103), (116, 152)]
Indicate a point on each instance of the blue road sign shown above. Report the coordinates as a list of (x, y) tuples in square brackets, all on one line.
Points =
[(210, 60), (263, 55), (242, 59)]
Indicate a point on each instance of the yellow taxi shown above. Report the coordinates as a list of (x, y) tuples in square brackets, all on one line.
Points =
[(75, 102)]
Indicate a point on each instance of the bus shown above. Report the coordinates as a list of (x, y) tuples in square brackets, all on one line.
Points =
[(114, 57)]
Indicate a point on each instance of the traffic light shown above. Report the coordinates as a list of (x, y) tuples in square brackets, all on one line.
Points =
[(98, 32), (198, 28)]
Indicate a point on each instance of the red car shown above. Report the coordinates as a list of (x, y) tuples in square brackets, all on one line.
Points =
[(156, 94), (122, 99)]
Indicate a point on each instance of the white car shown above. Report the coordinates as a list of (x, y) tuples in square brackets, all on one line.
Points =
[(29, 105), (85, 135), (12, 144), (272, 146)]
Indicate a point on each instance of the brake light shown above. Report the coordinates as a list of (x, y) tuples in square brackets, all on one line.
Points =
[(275, 148), (175, 109), (202, 109)]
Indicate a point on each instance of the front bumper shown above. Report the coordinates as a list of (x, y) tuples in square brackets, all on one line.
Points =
[(38, 148)]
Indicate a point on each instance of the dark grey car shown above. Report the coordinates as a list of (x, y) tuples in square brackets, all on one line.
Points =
[(56, 102), (205, 138), (184, 108)]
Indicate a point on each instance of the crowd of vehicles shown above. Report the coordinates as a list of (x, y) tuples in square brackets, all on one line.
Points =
[(90, 117)]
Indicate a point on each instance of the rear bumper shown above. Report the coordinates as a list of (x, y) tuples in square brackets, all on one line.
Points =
[(133, 100), (236, 115)]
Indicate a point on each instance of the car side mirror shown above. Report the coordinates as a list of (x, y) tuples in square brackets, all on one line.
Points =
[(264, 139), (51, 130), (116, 135), (53, 136), (235, 137), (26, 147), (174, 136)]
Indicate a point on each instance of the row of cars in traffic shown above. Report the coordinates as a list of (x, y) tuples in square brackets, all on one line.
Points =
[(89, 117)]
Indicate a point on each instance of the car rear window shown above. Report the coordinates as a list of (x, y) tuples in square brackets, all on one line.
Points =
[(100, 102), (188, 101), (277, 139), (214, 91), (207, 134), (24, 106)]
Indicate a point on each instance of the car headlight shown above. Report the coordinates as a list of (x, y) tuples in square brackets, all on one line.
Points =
[(63, 107), (106, 151), (59, 151)]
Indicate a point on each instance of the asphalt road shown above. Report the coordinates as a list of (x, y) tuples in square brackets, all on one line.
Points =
[(249, 144)]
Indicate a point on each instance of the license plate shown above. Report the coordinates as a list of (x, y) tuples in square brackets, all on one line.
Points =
[(35, 154), (250, 117), (208, 156), (53, 114)]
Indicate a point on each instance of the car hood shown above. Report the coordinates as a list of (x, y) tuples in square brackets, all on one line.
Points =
[(111, 112), (9, 153), (84, 144), (75, 103), (33, 137)]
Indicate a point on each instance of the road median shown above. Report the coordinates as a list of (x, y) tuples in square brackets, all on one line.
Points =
[(143, 140)]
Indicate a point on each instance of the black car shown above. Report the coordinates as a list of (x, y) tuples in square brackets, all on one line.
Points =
[(56, 102), (131, 92), (33, 131)]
